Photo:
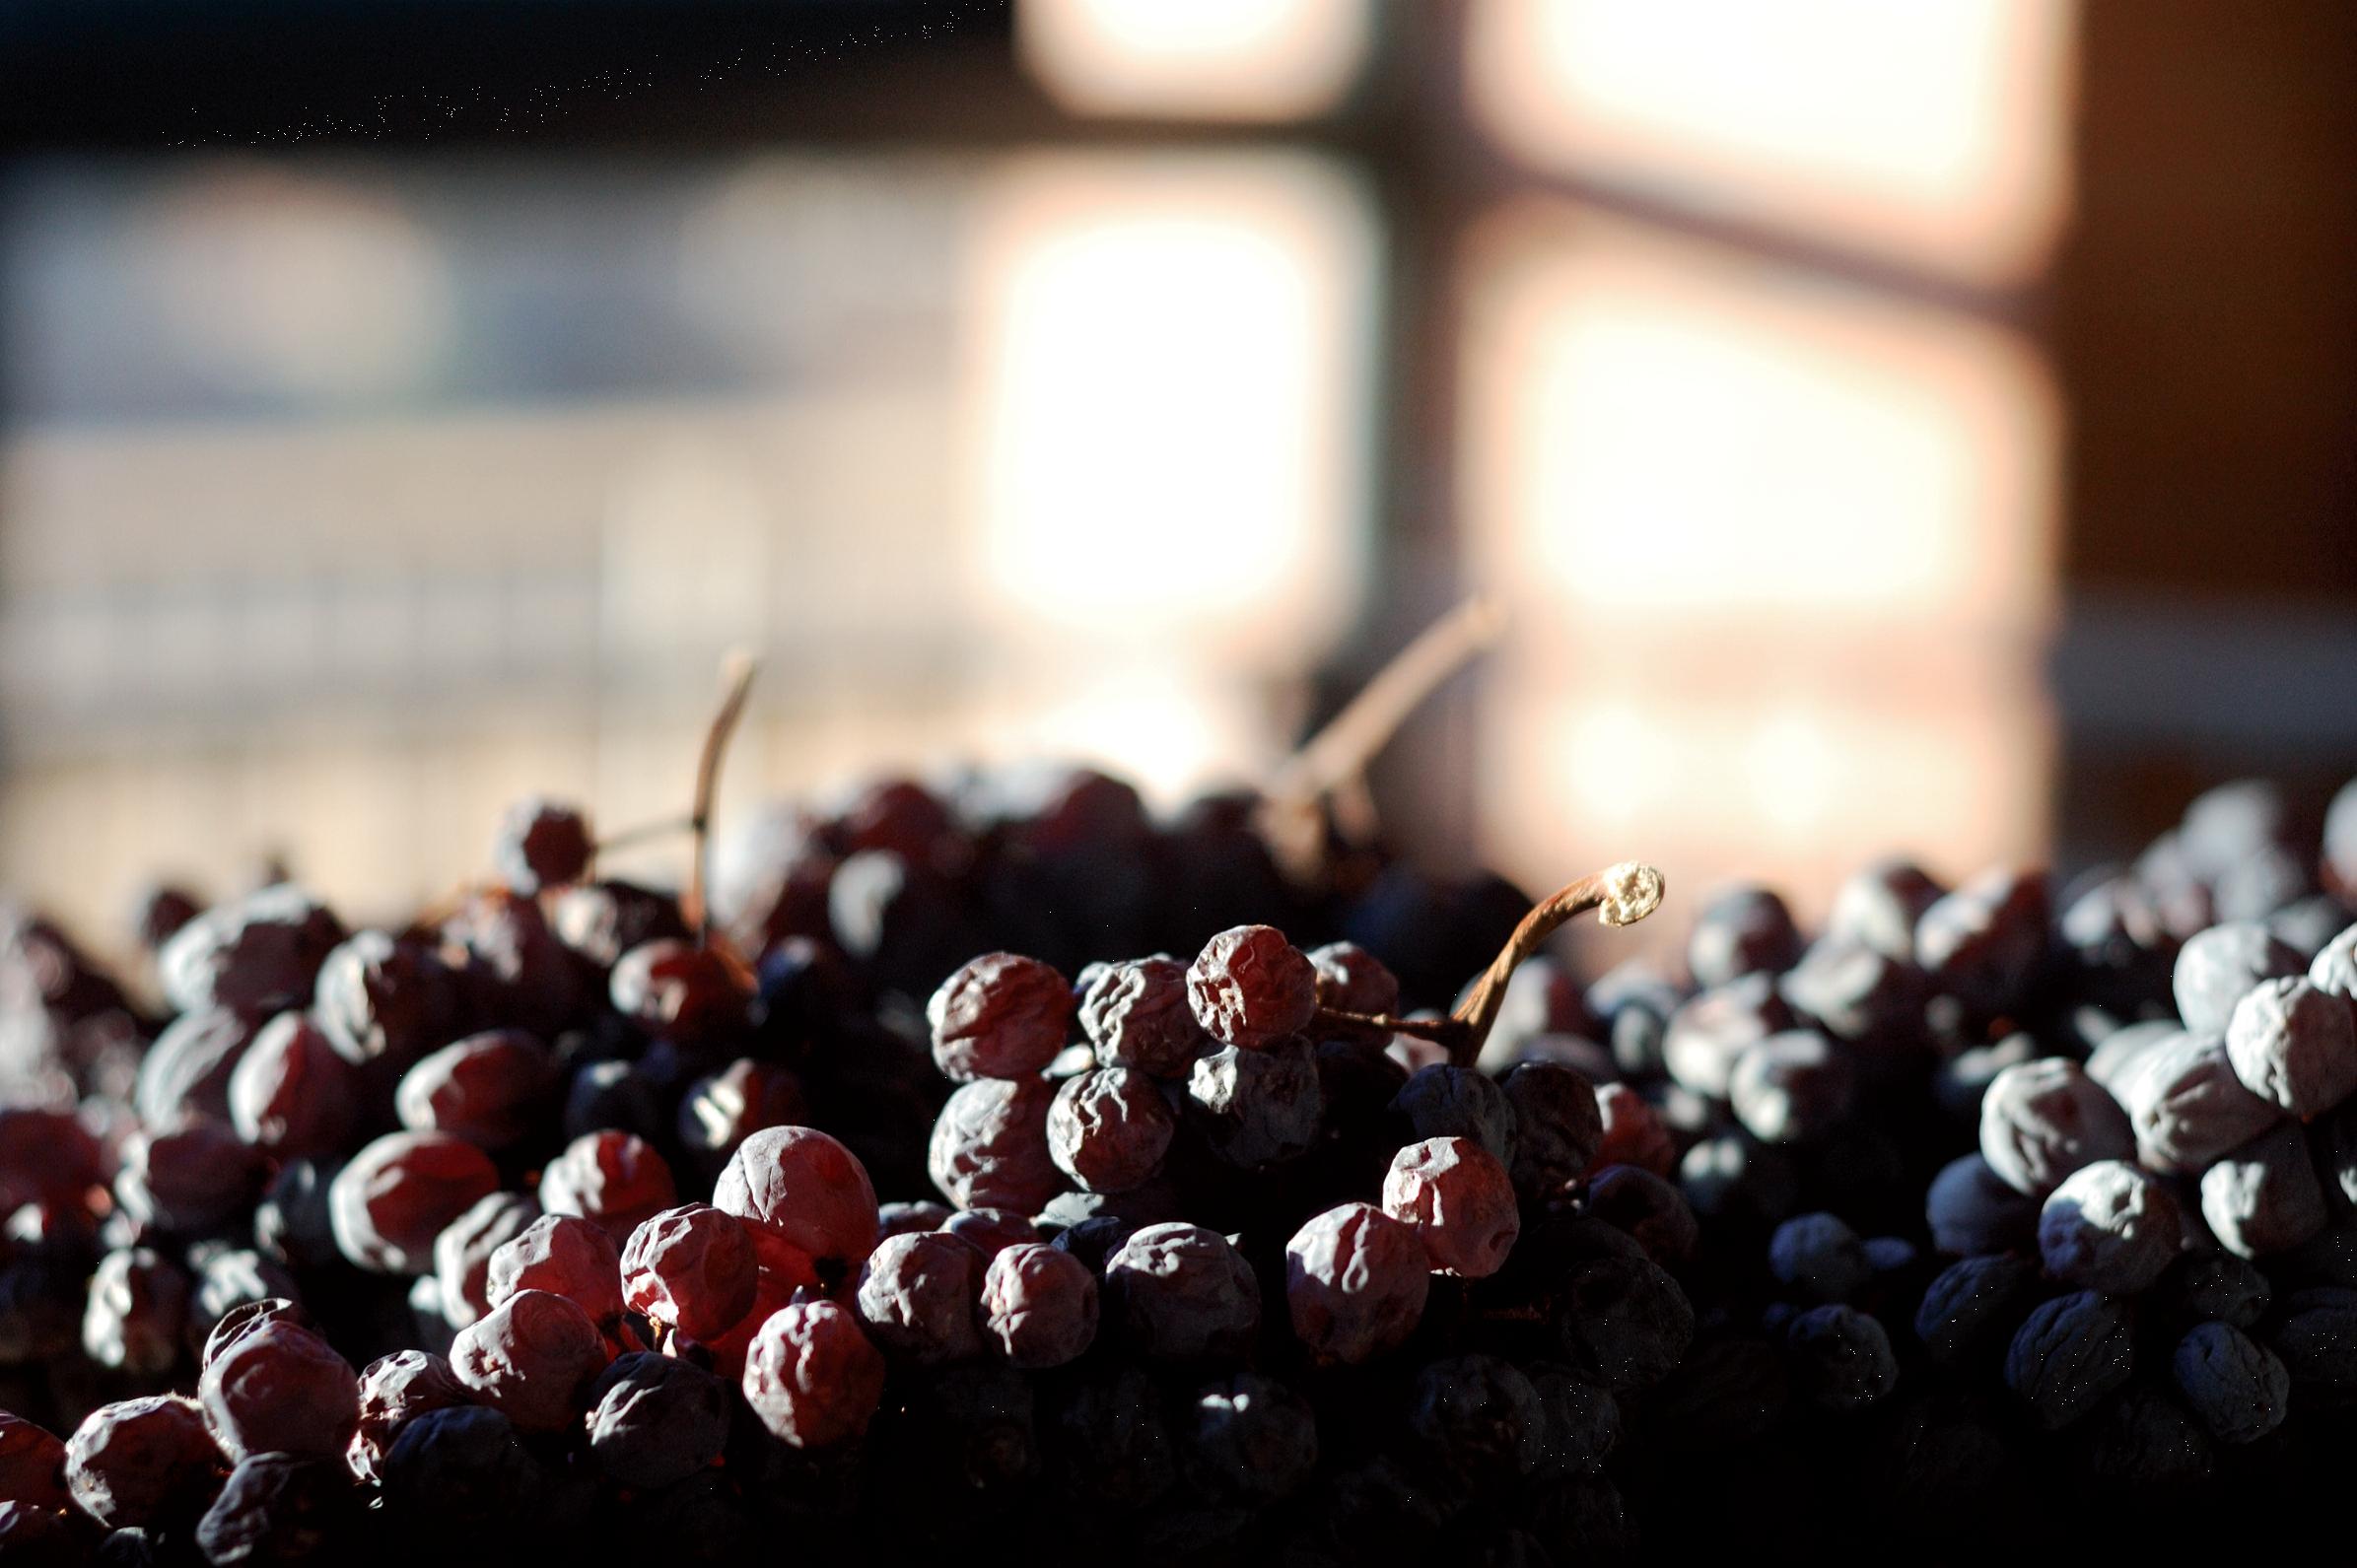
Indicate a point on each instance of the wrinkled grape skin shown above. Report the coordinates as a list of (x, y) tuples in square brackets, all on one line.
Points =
[(811, 1378), (1137, 1016), (1792, 1087), (2187, 1106), (692, 1270), (1969, 1209), (141, 1463), (1459, 1200), (1039, 1306), (380, 998), (654, 1420), (256, 955), (566, 1256), (1250, 1437), (1108, 1129), (2110, 1228), (1356, 1283), (1257, 1107), (1634, 1133), (1970, 1303), (279, 1508), (917, 1298), (615, 1179), (1843, 1358), (488, 1088), (2237, 1387), (2293, 1045), (1625, 1323), (291, 1095), (2067, 1355), (1649, 1208), (394, 1199), (528, 1357), (1819, 1258), (1000, 1016), (1558, 1127), (1443, 1101), (1183, 1293), (2217, 966), (1353, 980), (2263, 1198), (32, 1465), (395, 1391), (1983, 943), (989, 1146), (281, 1389), (1250, 987), (1477, 1419), (2042, 1120), (463, 1253)]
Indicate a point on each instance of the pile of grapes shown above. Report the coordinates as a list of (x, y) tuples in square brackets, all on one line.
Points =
[(996, 1170)]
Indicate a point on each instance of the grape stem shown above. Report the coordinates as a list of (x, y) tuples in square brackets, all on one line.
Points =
[(1331, 767), (738, 672), (1621, 895)]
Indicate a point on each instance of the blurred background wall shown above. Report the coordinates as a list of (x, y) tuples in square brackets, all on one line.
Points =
[(1924, 426)]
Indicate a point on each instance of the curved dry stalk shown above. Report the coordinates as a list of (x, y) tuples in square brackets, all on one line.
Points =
[(1621, 895), (1337, 757), (738, 672)]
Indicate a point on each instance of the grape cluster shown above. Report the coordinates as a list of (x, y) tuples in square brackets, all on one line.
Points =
[(913, 1212)]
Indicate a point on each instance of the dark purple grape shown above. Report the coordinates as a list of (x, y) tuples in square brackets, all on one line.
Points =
[(692, 1270), (1249, 1438), (1969, 1209), (530, 1357), (383, 999), (2263, 1198), (1000, 1016), (1251, 988), (281, 1389), (2043, 1119), (1710, 1031), (654, 1420), (291, 1095), (687, 994), (811, 1378), (566, 1256), (1841, 1358), (2293, 1045), (390, 1202), (542, 844), (1108, 1128), (256, 955), (1183, 1293), (144, 1463), (491, 1089), (1819, 1258), (1257, 1107), (1353, 980), (1137, 1016), (2070, 1353), (281, 1507), (614, 1178), (2111, 1228), (917, 1297), (1458, 1198), (463, 1249), (1881, 905), (1984, 943), (138, 1305), (2236, 1385), (1792, 1088), (2217, 966), (1039, 1306), (395, 1391), (1741, 931), (1558, 1127), (2187, 1106), (990, 1145), (1442, 1101), (804, 1188), (1356, 1283)]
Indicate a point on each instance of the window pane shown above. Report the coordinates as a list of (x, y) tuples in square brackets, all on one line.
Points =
[(1780, 556), (1206, 59), (1933, 130)]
